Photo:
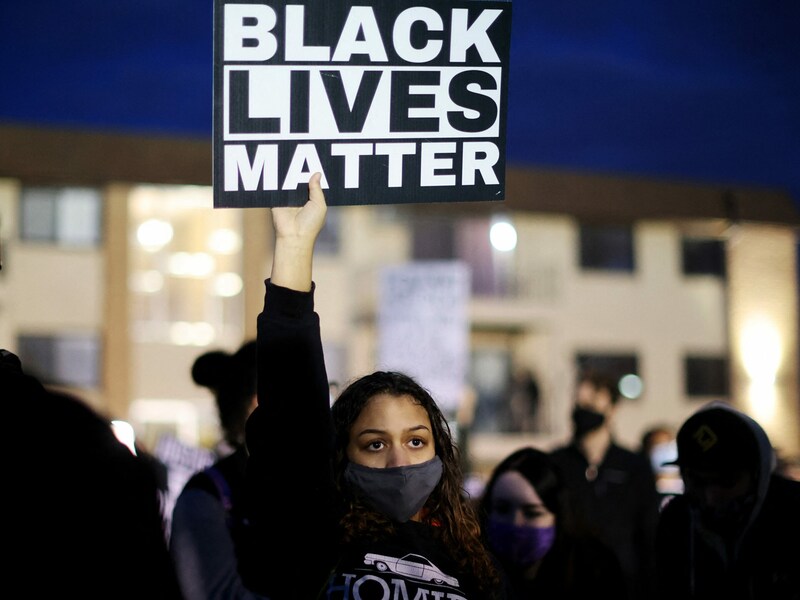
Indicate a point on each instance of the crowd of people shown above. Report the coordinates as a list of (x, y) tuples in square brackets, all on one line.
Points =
[(358, 492)]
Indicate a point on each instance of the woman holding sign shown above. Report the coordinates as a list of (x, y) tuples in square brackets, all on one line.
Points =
[(361, 500)]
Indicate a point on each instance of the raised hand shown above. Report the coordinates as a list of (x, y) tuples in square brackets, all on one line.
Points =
[(296, 231)]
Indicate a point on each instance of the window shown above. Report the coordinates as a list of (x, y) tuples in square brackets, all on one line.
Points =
[(490, 370), (440, 238), (69, 360), (433, 238), (615, 365), (703, 256), (606, 248), (705, 376), (185, 267), (64, 216)]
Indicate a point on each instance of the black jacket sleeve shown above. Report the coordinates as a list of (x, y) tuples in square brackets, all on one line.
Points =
[(290, 493)]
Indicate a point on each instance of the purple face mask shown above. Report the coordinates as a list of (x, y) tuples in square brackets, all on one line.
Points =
[(519, 545)]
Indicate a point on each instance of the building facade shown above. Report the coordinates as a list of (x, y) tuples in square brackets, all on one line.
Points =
[(117, 272)]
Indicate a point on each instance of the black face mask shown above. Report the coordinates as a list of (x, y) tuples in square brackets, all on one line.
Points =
[(398, 492), (585, 420)]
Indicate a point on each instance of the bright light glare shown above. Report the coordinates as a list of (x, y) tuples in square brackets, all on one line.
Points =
[(183, 333), (191, 264), (125, 434), (763, 400), (503, 236), (154, 234), (147, 282), (224, 241), (228, 285), (761, 350), (631, 386)]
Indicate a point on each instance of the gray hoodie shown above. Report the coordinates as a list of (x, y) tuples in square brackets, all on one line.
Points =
[(758, 558)]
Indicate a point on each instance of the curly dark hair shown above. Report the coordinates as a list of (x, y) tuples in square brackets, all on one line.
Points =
[(447, 506)]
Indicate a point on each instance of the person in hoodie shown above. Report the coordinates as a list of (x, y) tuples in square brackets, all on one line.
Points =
[(735, 531), (361, 500)]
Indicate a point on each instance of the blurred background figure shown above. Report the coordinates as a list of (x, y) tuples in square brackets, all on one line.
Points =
[(208, 529), (86, 509), (612, 490), (524, 401), (528, 527), (734, 532), (659, 447)]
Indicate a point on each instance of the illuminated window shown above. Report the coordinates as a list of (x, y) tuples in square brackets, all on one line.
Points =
[(185, 267)]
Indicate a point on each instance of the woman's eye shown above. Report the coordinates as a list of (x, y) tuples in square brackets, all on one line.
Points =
[(502, 508), (417, 443), (375, 445)]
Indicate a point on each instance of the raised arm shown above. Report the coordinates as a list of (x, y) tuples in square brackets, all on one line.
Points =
[(290, 486), (296, 230)]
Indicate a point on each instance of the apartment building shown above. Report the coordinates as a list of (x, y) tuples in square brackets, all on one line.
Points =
[(117, 272)]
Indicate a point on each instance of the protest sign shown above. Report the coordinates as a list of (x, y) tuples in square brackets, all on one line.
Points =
[(392, 101), (423, 326)]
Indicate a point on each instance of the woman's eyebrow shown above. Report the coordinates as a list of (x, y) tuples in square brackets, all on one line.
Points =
[(372, 430)]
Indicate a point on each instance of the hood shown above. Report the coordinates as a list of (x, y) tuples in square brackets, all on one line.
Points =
[(719, 436)]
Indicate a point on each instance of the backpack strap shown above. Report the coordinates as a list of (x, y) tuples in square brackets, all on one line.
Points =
[(224, 490)]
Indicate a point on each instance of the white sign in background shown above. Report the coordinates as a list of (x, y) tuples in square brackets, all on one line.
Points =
[(423, 326)]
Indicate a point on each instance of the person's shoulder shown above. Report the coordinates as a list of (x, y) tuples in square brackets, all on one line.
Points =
[(629, 457), (784, 490), (621, 450), (562, 450), (202, 481), (674, 508)]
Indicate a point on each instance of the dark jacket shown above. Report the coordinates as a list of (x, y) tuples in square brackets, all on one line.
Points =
[(575, 568), (619, 507), (761, 563), (293, 505), (208, 531), (85, 516)]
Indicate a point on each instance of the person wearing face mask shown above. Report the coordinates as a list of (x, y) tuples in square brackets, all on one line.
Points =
[(659, 446), (612, 489), (362, 499), (528, 527), (734, 532)]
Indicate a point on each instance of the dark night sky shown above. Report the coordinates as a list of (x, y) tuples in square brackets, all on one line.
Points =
[(704, 91)]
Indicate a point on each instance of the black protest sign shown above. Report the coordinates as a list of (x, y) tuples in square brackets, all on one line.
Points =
[(393, 101)]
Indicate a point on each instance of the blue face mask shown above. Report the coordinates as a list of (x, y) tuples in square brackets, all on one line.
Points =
[(519, 545), (397, 492)]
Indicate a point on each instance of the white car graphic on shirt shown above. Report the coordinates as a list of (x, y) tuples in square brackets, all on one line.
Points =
[(411, 565)]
